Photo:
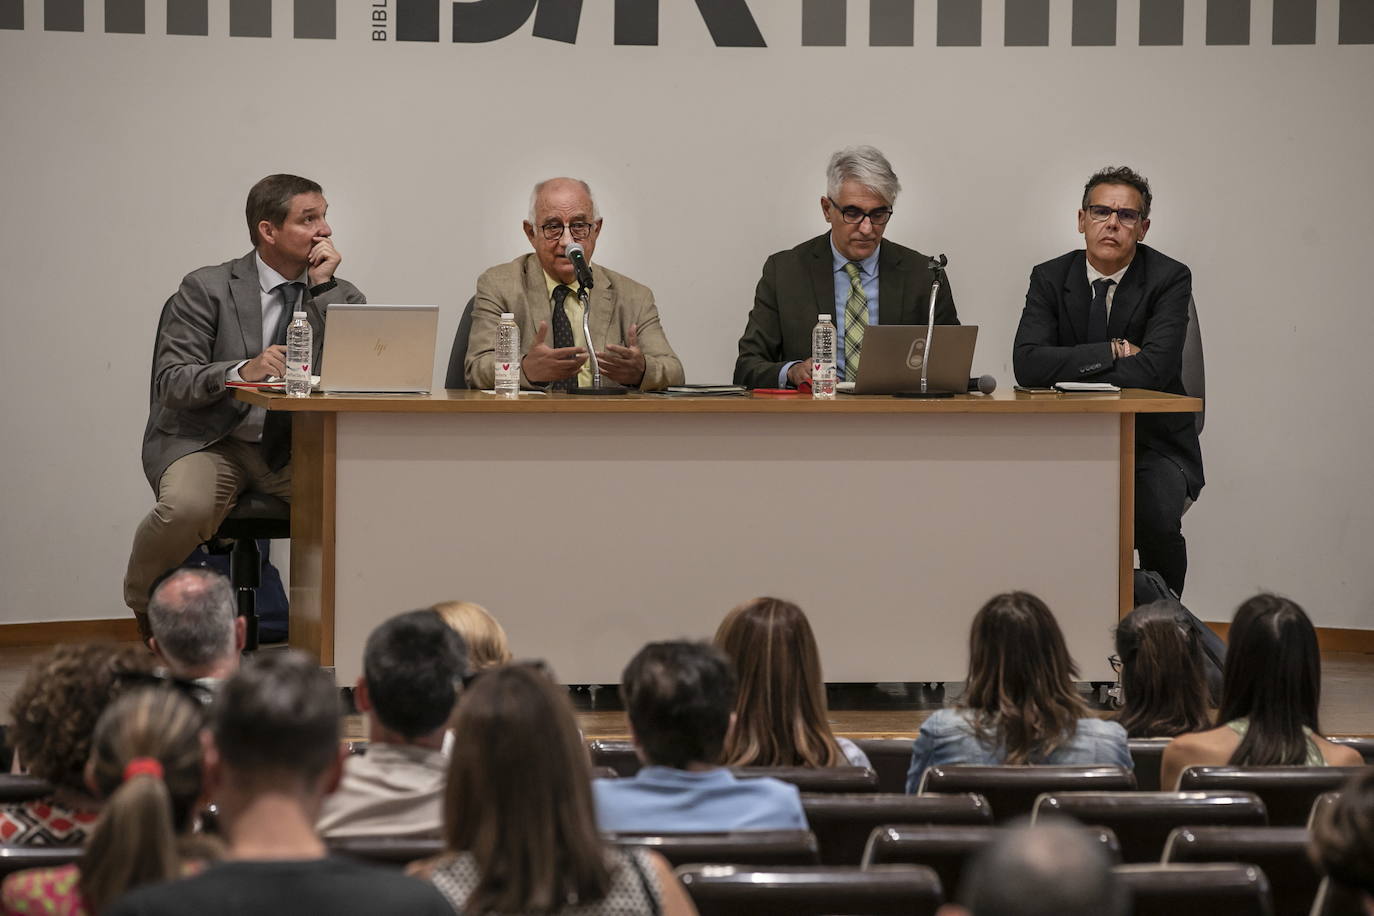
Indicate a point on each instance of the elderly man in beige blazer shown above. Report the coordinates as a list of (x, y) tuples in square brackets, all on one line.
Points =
[(541, 290)]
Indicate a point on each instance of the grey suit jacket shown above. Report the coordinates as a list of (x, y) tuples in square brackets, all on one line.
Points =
[(213, 322), (798, 284), (616, 303)]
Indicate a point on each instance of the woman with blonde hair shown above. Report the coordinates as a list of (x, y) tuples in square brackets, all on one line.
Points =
[(484, 637), (146, 764), (519, 827), (1020, 705), (781, 715)]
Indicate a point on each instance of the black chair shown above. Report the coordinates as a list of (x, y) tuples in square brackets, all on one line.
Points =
[(1146, 754), (949, 849), (816, 779), (1336, 900), (18, 858), (1280, 852), (1216, 890), (891, 758), (604, 773), (1012, 790), (395, 852), (455, 377), (843, 822), (1287, 792), (817, 891), (1143, 821), (20, 787), (617, 755), (1321, 806), (1364, 745), (741, 847)]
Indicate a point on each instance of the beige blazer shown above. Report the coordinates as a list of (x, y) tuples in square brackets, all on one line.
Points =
[(616, 303)]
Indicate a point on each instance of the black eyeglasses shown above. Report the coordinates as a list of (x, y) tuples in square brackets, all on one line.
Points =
[(161, 678), (854, 216), (1115, 662), (554, 231), (1126, 215)]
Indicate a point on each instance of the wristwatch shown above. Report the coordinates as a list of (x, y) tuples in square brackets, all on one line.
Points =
[(324, 287)]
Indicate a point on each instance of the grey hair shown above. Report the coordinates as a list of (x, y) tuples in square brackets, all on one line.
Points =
[(1054, 868), (534, 196), (193, 626), (865, 165)]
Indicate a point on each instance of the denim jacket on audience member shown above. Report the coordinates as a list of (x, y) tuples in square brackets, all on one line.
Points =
[(947, 738)]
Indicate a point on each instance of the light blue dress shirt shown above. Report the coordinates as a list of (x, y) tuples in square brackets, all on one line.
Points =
[(667, 800), (947, 737), (868, 279)]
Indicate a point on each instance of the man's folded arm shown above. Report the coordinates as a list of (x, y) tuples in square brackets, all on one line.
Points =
[(1037, 358), (1161, 352)]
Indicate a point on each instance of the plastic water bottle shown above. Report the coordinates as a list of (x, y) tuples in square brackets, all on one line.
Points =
[(508, 356), (823, 358), (299, 340)]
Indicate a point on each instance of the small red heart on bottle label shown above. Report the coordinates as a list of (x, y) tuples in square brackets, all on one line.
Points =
[(305, 367), (505, 366)]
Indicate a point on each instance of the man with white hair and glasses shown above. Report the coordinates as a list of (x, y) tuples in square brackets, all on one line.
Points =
[(542, 290), (849, 272), (1117, 312)]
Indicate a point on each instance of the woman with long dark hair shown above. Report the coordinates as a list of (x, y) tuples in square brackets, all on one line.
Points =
[(146, 765), (1163, 679), (1019, 705), (519, 826), (781, 716), (1270, 693)]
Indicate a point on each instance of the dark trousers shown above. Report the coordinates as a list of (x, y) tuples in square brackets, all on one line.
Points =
[(1161, 492)]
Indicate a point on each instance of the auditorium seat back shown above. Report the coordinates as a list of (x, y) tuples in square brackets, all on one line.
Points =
[(1280, 852), (20, 787), (950, 849), (741, 847), (618, 755), (1321, 806), (1214, 889), (1012, 790), (909, 890), (1360, 743), (1288, 792), (394, 852), (842, 822), (1143, 821), (18, 858), (891, 758), (1335, 900), (816, 779), (1146, 754)]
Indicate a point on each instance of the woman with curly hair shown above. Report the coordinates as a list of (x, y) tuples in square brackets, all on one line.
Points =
[(54, 714), (146, 765)]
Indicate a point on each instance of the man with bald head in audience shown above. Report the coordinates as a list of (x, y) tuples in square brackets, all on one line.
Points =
[(197, 632), (541, 290)]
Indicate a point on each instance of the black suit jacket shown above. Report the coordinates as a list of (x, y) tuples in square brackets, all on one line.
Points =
[(799, 284), (1150, 309)]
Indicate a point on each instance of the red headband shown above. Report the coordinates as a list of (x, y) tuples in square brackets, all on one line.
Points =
[(143, 766)]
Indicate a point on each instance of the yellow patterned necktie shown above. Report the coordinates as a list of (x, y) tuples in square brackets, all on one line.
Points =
[(855, 321)]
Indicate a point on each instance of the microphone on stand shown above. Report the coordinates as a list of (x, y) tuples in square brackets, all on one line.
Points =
[(578, 256), (937, 267)]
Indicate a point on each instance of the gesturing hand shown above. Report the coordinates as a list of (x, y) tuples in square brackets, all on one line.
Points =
[(545, 364), (623, 364)]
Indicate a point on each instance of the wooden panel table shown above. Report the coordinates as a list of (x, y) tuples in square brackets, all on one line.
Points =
[(592, 525)]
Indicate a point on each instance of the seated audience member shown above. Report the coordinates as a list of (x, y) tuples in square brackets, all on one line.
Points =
[(1343, 840), (197, 631), (55, 712), (1270, 693), (413, 666), (1019, 704), (146, 765), (1163, 682), (679, 697), (780, 713), (519, 827), (272, 755), (482, 634), (1052, 869)]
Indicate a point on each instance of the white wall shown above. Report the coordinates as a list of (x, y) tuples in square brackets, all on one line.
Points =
[(125, 159)]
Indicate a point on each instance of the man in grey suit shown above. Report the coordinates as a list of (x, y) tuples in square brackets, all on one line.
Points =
[(227, 323), (541, 288), (849, 272)]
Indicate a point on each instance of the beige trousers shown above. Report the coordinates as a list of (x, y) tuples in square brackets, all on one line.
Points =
[(194, 495)]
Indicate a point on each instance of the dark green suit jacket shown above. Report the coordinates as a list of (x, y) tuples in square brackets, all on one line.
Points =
[(799, 284)]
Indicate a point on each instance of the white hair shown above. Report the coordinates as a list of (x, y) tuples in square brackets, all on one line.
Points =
[(192, 615), (865, 165), (534, 196)]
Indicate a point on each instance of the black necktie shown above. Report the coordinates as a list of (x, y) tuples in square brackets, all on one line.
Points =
[(1097, 312), (562, 333), (276, 426)]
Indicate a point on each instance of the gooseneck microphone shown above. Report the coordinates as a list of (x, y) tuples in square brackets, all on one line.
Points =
[(578, 256), (937, 269)]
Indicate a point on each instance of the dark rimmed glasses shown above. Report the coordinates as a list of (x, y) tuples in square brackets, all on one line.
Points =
[(1127, 216), (580, 230), (854, 216)]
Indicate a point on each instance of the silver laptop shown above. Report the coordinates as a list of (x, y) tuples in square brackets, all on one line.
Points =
[(379, 348), (893, 354)]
